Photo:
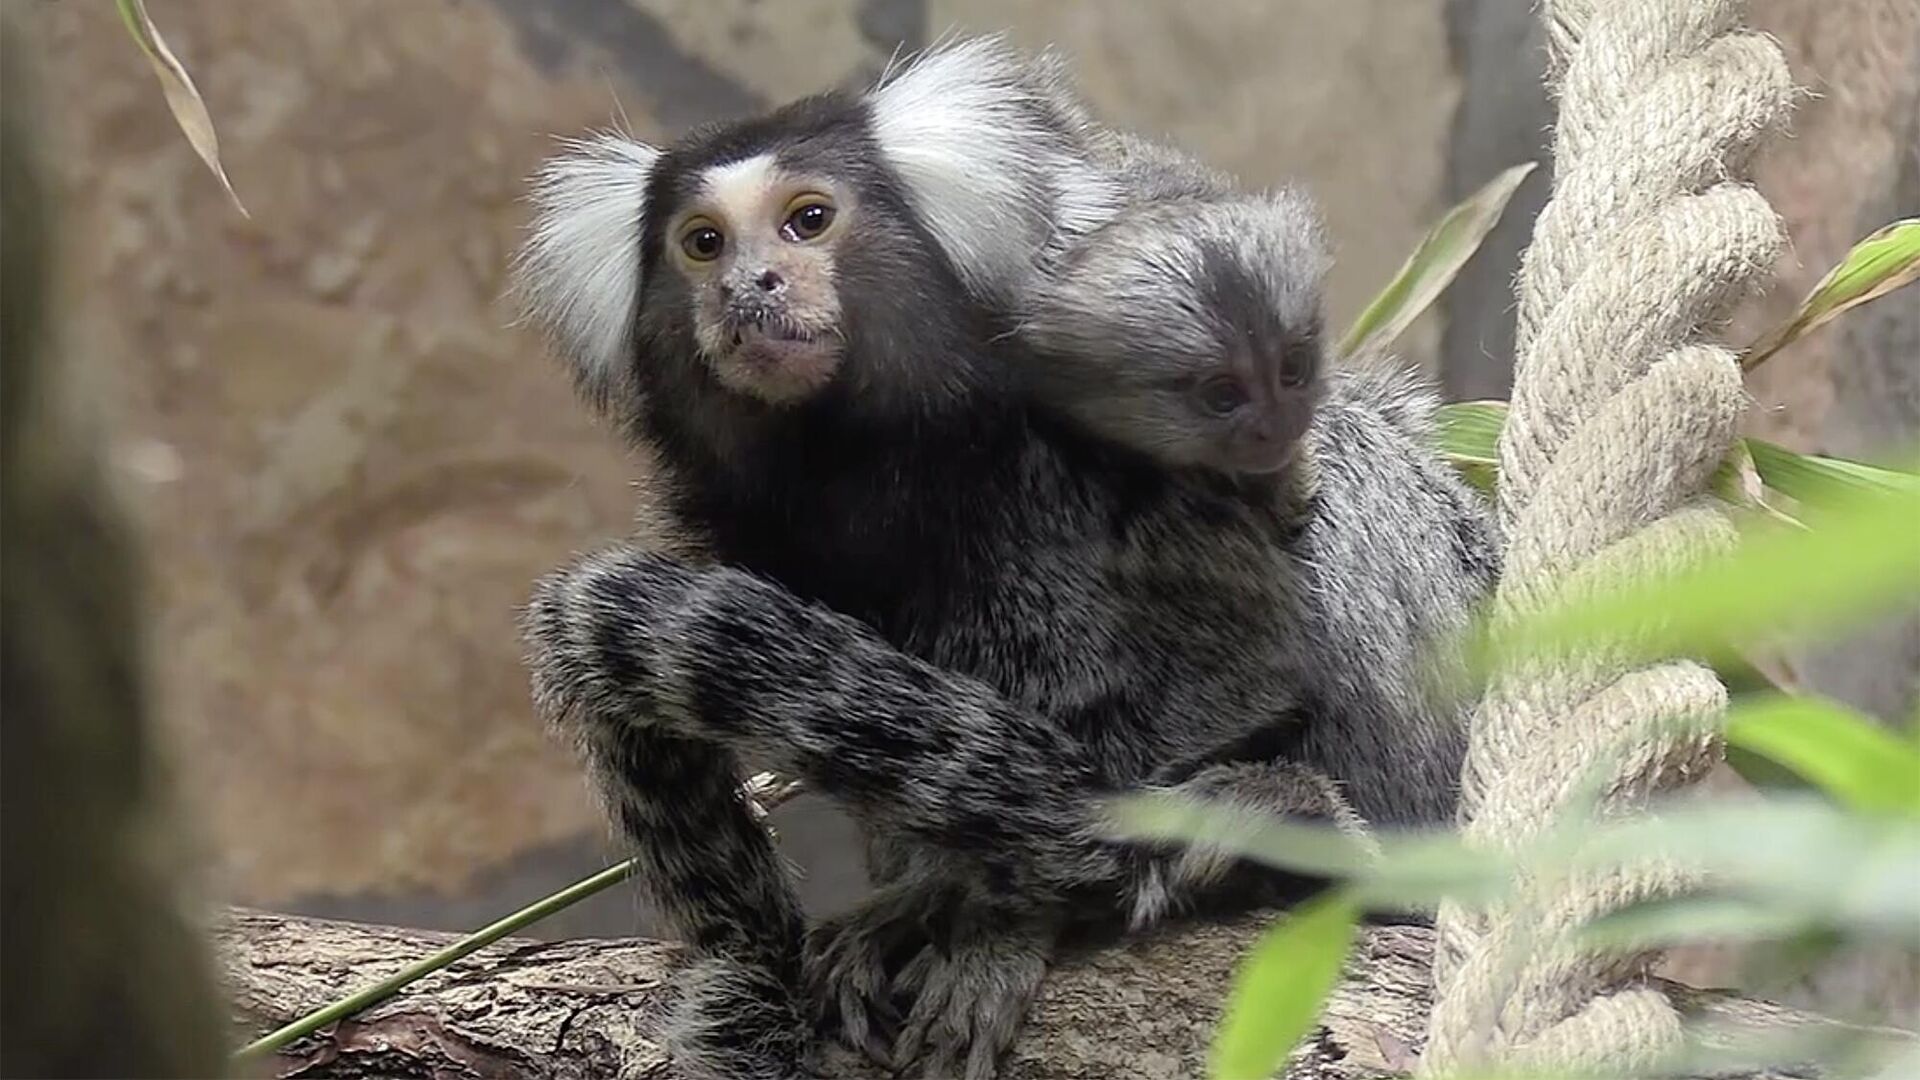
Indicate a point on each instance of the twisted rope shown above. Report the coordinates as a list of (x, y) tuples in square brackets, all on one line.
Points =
[(1620, 413)]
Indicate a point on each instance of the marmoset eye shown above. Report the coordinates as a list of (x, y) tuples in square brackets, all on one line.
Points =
[(702, 242), (808, 216)]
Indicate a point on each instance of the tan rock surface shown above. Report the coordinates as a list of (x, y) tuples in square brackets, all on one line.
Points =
[(350, 467)]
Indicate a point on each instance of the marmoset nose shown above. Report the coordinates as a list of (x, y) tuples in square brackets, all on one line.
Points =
[(769, 281)]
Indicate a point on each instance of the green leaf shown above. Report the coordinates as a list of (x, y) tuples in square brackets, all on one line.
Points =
[(1281, 987), (1824, 480), (1433, 264), (1320, 850), (183, 98), (1877, 265), (1859, 559), (1848, 756)]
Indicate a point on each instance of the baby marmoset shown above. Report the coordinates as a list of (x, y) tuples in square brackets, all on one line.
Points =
[(1189, 326)]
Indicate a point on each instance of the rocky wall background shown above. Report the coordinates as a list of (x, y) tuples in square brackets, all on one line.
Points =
[(350, 466)]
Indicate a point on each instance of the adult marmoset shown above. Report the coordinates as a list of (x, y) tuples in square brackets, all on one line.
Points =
[(956, 612)]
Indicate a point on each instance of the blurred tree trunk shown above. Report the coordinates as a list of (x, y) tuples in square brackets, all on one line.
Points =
[(1875, 416), (104, 975), (1874, 372), (1504, 118)]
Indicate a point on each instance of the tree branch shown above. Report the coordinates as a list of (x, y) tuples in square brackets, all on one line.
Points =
[(591, 1008)]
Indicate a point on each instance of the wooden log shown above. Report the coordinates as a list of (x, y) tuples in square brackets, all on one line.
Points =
[(1141, 1010)]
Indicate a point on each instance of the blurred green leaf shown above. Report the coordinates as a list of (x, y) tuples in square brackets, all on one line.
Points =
[(1803, 858), (1408, 870), (1283, 983), (1724, 1047), (1858, 560), (183, 98), (1681, 920), (1771, 966), (1848, 756), (1433, 265), (1882, 262), (1320, 850), (1764, 773)]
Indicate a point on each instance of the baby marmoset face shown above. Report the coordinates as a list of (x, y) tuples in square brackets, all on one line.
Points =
[(1190, 330)]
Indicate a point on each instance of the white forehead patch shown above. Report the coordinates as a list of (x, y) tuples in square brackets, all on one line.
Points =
[(738, 188)]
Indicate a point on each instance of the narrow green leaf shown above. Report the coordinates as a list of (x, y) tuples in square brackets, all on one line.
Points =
[(1848, 756), (183, 98), (1742, 677), (1282, 986), (1858, 560), (285, 1036), (1823, 480), (1470, 437), (1882, 262), (1433, 265)]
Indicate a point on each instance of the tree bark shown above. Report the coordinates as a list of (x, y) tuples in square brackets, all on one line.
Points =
[(1141, 1010)]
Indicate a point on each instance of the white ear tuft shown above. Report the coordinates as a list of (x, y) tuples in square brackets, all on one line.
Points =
[(993, 151), (578, 276)]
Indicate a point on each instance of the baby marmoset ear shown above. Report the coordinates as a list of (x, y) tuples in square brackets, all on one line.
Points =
[(578, 276)]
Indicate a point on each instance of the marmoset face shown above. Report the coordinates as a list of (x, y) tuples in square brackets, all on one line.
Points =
[(756, 248)]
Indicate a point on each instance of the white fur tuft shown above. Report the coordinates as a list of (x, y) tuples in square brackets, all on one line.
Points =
[(991, 148), (578, 276)]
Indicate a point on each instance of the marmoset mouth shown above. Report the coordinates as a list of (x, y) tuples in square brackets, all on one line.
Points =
[(771, 330)]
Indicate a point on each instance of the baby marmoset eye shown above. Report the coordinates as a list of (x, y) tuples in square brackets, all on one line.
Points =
[(1299, 365), (1221, 395)]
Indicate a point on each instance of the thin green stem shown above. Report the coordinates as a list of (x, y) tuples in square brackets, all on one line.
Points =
[(460, 949)]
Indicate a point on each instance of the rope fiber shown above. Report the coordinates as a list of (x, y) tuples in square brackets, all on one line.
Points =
[(1621, 410)]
